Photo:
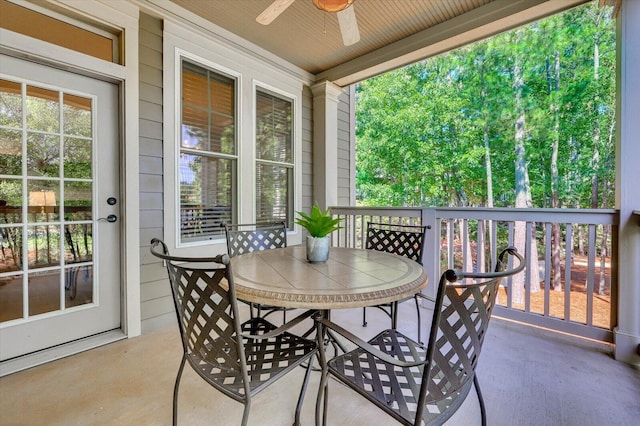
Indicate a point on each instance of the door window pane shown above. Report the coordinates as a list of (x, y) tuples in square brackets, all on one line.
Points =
[(11, 298), (10, 103), (10, 201), (43, 245), (43, 110), (10, 152), (11, 246), (77, 201), (77, 158), (44, 292), (78, 286), (43, 200), (43, 154), (77, 115), (78, 243)]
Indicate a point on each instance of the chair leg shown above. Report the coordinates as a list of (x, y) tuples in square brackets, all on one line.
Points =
[(419, 319), (245, 413), (483, 411), (394, 315), (364, 317), (322, 400), (303, 391), (175, 390), (323, 390)]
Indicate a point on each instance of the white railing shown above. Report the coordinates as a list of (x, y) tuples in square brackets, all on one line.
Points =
[(573, 293)]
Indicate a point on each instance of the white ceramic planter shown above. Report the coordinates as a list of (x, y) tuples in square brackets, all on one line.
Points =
[(317, 249)]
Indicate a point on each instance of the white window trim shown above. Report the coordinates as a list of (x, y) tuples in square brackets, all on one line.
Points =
[(250, 73)]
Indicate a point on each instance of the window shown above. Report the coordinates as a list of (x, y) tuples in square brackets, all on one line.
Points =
[(208, 153), (232, 142), (274, 159)]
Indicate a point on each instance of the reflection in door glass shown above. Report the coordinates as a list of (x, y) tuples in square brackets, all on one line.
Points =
[(77, 158), (78, 286), (43, 244), (11, 100), (43, 200), (77, 201), (10, 151), (43, 154), (10, 201), (77, 115), (45, 142), (10, 298), (11, 245), (44, 292), (78, 243), (43, 110)]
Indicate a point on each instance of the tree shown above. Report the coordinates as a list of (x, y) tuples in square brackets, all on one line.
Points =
[(520, 119)]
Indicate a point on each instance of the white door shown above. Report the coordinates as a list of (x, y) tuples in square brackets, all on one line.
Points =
[(59, 207)]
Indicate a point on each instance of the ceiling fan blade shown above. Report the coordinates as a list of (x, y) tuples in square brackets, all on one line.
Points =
[(349, 26), (273, 11)]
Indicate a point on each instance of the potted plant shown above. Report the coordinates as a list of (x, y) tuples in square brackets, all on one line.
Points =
[(319, 225)]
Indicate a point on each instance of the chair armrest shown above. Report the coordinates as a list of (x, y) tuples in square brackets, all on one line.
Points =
[(366, 346), (284, 327)]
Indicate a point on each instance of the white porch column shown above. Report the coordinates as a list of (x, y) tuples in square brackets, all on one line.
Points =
[(627, 333), (325, 143)]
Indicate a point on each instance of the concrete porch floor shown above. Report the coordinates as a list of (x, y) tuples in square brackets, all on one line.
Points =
[(527, 378)]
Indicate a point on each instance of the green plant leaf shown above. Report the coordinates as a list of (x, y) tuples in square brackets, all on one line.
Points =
[(318, 224)]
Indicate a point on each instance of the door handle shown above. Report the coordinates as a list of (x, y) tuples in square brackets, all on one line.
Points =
[(111, 218)]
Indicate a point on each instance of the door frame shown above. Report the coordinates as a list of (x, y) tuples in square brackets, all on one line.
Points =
[(121, 17)]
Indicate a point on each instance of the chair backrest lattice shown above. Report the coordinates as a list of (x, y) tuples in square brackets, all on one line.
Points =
[(461, 319), (403, 240), (206, 306), (247, 238)]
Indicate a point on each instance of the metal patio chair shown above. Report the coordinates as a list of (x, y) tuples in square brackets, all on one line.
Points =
[(250, 237), (411, 382), (403, 240), (240, 360)]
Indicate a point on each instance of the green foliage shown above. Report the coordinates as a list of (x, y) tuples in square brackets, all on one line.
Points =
[(319, 223), (421, 130)]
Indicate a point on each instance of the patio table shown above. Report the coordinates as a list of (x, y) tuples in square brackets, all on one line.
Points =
[(351, 278)]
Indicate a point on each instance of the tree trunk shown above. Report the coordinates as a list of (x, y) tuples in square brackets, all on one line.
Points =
[(554, 87), (487, 165), (519, 237)]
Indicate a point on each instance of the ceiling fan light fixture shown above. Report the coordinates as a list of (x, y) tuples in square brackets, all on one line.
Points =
[(332, 6)]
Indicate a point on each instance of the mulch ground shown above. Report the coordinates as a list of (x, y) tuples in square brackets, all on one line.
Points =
[(577, 297)]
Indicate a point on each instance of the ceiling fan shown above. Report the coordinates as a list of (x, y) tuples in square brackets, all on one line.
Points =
[(343, 8)]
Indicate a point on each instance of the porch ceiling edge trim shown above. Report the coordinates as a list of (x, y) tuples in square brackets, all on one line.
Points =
[(167, 10), (478, 24)]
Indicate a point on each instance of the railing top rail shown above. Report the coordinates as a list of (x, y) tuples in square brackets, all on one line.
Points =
[(581, 216), (378, 211), (586, 216)]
